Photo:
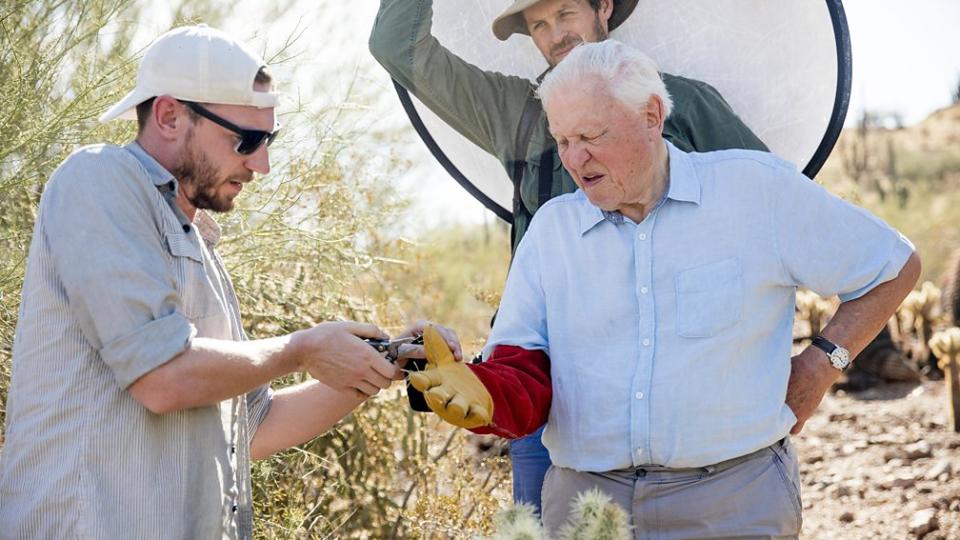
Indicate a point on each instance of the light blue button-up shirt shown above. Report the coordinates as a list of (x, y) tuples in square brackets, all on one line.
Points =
[(669, 339)]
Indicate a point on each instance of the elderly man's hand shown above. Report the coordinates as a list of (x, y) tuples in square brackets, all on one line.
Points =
[(449, 387), (810, 378), (417, 351)]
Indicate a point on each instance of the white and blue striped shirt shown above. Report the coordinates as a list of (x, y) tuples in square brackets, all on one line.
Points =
[(114, 288)]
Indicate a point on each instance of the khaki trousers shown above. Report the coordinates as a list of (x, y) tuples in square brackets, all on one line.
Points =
[(753, 496)]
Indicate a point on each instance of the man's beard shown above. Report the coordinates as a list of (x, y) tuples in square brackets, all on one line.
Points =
[(571, 40), (195, 173)]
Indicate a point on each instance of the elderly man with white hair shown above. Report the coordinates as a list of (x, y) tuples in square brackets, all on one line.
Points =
[(647, 317)]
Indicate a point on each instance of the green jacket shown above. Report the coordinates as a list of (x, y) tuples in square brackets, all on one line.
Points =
[(486, 107)]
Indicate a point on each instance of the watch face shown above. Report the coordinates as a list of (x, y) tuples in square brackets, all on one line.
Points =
[(840, 358)]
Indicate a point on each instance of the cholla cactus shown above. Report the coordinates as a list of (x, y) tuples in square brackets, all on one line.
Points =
[(946, 345), (594, 517), (813, 309), (518, 522), (918, 314)]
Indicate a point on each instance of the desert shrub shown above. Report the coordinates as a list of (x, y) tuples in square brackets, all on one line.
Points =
[(309, 242), (57, 74)]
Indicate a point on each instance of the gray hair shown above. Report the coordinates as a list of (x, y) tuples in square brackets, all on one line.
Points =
[(630, 76)]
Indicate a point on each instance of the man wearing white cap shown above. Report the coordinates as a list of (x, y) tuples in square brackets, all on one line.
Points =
[(500, 114), (136, 403)]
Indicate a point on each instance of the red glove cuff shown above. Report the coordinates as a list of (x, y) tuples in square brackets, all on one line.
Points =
[(519, 383)]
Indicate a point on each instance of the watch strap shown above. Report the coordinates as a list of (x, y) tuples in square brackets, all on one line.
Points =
[(824, 344)]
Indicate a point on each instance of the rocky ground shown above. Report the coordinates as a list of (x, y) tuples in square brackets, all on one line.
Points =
[(883, 463)]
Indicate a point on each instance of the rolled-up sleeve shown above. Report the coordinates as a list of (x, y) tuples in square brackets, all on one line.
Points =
[(831, 246), (258, 403), (483, 106), (105, 239)]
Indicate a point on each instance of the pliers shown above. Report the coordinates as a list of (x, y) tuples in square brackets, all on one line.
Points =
[(393, 347)]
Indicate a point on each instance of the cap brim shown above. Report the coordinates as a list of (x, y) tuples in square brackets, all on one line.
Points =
[(125, 109)]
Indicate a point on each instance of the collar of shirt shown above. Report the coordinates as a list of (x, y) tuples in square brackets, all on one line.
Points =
[(167, 184), (684, 185), (208, 228), (158, 174)]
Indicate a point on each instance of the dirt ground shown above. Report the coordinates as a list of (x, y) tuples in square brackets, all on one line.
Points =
[(883, 463)]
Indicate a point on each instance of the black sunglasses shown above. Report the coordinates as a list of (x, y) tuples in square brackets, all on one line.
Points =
[(250, 139)]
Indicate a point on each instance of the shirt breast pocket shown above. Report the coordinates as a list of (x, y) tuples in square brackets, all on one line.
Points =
[(197, 297), (709, 298)]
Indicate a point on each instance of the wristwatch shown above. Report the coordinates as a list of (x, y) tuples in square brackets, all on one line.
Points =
[(838, 356)]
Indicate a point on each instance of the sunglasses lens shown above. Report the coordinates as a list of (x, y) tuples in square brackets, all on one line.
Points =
[(251, 141)]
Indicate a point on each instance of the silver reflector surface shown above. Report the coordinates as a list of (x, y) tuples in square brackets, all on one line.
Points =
[(783, 66)]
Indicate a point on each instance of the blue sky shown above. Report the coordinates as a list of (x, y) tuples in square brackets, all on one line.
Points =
[(906, 55)]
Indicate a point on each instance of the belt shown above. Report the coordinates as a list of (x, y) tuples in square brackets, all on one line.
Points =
[(706, 469)]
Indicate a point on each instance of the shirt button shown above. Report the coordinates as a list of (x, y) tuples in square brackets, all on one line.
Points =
[(642, 236), (643, 290), (233, 449), (646, 343), (639, 395), (639, 451), (234, 509)]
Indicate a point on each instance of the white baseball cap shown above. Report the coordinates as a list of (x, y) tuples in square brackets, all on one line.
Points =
[(196, 63)]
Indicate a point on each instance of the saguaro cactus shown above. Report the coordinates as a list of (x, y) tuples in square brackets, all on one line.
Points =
[(946, 346)]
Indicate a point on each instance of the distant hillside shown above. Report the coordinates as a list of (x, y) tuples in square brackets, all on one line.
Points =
[(909, 176), (867, 149), (939, 131)]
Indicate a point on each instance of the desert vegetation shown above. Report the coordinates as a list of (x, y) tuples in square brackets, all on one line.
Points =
[(314, 241)]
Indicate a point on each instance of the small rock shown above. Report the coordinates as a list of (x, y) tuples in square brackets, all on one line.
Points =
[(896, 462), (955, 505), (847, 517), (923, 522), (814, 458), (942, 467), (894, 453), (919, 450), (903, 481), (838, 491), (954, 444), (886, 438)]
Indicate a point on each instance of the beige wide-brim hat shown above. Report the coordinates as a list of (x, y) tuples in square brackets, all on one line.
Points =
[(511, 21)]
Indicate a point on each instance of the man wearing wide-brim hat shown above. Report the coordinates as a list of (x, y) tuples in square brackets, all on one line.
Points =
[(499, 113)]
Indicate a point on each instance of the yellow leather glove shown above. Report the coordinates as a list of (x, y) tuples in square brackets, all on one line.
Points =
[(449, 387)]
